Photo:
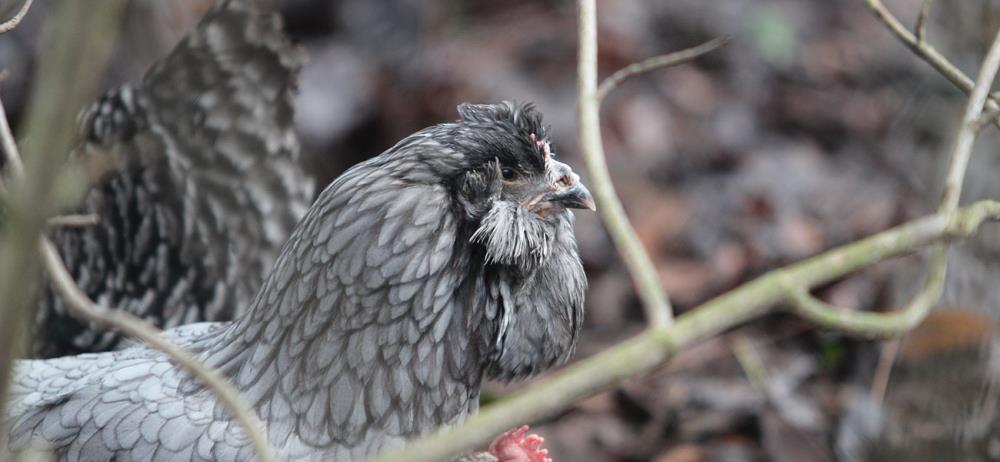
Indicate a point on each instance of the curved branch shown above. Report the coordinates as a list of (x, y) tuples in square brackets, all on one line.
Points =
[(83, 308), (883, 324), (11, 23), (654, 298), (657, 62)]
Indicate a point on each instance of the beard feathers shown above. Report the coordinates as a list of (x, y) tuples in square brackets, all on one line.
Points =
[(514, 236)]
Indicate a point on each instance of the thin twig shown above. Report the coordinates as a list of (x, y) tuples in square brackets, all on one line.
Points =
[(883, 372), (73, 221), (926, 52), (83, 308), (751, 363), (921, 27), (9, 145), (650, 349), (656, 62), (654, 298), (11, 23), (988, 118)]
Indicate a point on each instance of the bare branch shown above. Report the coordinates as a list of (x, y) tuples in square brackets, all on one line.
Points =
[(657, 62), (962, 151), (11, 23), (78, 38), (875, 324), (883, 371), (991, 117), (9, 145), (751, 363), (921, 26), (926, 52), (73, 221), (654, 298)]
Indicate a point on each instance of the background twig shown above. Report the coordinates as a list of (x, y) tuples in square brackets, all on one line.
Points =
[(921, 26), (657, 62), (925, 51), (72, 221), (11, 23), (883, 371)]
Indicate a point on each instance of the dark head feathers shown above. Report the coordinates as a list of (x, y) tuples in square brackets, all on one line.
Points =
[(506, 131), (517, 117)]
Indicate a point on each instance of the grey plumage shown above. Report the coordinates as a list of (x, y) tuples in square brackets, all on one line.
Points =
[(196, 183), (377, 324)]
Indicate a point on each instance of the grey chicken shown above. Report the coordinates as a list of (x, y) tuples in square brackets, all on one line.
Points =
[(196, 183), (416, 274)]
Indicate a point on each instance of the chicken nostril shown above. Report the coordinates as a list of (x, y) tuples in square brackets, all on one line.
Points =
[(565, 181)]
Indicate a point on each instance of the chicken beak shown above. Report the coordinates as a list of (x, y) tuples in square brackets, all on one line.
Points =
[(575, 197)]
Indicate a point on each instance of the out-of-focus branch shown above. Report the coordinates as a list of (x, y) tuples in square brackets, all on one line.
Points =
[(883, 370), (19, 265), (76, 42), (925, 51), (50, 130), (874, 324), (921, 26), (657, 62), (654, 298), (751, 363), (991, 117), (11, 23), (9, 146)]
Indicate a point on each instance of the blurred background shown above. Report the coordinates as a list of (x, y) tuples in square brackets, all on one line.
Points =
[(812, 128)]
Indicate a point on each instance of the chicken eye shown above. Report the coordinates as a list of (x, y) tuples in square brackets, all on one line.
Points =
[(508, 173)]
